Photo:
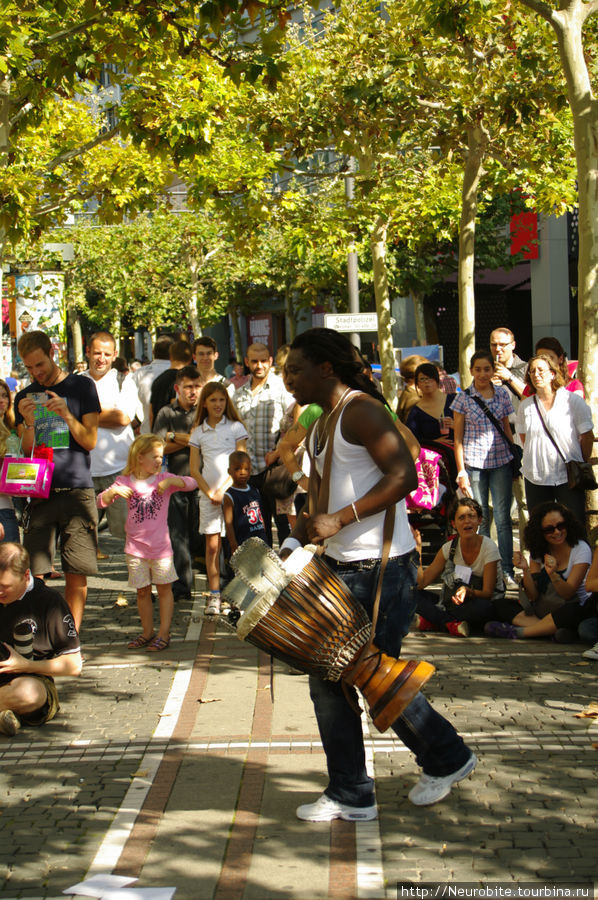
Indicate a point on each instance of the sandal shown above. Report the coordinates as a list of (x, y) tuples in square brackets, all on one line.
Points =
[(158, 644), (140, 641)]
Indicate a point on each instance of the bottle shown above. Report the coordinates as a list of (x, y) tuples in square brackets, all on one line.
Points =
[(13, 445)]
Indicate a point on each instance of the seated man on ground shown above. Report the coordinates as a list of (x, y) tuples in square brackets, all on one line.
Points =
[(28, 694), (470, 571)]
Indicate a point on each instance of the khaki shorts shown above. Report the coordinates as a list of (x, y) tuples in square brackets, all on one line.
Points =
[(49, 709), (150, 571), (71, 515)]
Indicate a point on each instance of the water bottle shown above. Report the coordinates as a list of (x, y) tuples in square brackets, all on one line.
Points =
[(13, 445)]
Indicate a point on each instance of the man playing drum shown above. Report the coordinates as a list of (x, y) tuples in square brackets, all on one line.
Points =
[(371, 470)]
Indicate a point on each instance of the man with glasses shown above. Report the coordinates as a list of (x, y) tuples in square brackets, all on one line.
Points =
[(509, 371)]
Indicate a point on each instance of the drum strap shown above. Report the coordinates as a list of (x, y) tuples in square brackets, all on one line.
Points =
[(318, 493)]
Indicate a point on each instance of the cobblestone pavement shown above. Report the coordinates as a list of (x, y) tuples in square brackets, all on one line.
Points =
[(176, 768)]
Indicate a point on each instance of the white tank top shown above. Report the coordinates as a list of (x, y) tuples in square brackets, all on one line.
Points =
[(353, 473)]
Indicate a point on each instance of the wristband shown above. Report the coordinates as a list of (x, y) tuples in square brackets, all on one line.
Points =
[(462, 474), (357, 519), (290, 543)]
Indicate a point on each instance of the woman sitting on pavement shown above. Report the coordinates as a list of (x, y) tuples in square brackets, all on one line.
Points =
[(588, 628), (470, 570), (555, 598)]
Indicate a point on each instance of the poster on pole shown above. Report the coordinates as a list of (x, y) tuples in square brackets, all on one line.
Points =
[(39, 305)]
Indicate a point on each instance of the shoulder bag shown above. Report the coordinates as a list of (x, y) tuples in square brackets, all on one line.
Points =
[(579, 474)]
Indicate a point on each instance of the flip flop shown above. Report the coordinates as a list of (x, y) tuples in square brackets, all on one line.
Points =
[(140, 642), (158, 644)]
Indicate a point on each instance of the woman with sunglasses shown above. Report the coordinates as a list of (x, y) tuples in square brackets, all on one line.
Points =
[(555, 597)]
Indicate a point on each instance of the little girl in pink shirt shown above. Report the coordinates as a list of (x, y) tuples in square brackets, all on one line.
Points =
[(148, 549)]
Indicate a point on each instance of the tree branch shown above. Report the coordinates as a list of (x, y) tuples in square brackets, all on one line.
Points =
[(79, 151), (74, 29), (542, 8), (589, 9)]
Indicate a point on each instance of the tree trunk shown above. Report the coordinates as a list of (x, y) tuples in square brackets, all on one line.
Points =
[(420, 321), (471, 179), (289, 310), (568, 25), (76, 333), (234, 317), (193, 298), (385, 348)]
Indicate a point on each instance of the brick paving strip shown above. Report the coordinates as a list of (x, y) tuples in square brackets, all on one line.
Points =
[(344, 866), (147, 822)]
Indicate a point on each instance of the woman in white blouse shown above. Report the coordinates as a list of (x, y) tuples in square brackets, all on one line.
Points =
[(569, 420)]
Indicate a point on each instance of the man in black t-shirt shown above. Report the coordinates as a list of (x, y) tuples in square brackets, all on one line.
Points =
[(27, 690), (60, 411)]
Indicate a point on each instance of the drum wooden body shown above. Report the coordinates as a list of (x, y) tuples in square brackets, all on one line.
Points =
[(315, 624)]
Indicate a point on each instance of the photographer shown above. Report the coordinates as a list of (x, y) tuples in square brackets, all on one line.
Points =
[(37, 619), (470, 571)]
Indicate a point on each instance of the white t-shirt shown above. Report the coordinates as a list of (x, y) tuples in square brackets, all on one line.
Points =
[(112, 448), (569, 418), (581, 553), (353, 473), (144, 378), (216, 445), (489, 552)]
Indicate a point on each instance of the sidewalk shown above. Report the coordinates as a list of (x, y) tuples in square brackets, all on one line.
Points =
[(176, 768)]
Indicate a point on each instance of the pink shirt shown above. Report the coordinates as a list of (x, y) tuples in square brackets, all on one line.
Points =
[(147, 525)]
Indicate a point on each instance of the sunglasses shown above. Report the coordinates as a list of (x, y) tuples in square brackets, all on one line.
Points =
[(550, 529)]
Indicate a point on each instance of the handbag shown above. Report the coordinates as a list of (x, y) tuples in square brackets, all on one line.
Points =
[(579, 474), (427, 494), (515, 450), (28, 476)]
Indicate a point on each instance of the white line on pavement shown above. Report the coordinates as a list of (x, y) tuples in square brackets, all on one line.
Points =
[(117, 835)]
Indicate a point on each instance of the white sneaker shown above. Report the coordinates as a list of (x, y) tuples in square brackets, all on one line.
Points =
[(510, 583), (592, 653), (213, 605), (325, 809), (9, 724), (430, 789)]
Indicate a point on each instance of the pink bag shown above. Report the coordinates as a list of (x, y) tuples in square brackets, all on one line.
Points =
[(26, 477), (427, 493)]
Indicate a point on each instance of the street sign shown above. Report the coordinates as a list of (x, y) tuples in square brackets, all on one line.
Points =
[(351, 322)]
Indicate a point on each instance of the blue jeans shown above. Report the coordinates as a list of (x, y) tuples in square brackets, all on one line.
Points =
[(11, 528), (499, 483), (437, 747)]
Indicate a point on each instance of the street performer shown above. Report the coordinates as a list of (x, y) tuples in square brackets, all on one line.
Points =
[(371, 471)]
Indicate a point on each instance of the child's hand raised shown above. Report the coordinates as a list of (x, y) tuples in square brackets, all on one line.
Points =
[(172, 481), (121, 490)]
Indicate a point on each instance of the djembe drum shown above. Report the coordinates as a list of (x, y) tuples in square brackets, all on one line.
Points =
[(300, 612)]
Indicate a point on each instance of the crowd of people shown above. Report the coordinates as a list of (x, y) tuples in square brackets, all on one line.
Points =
[(185, 462)]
